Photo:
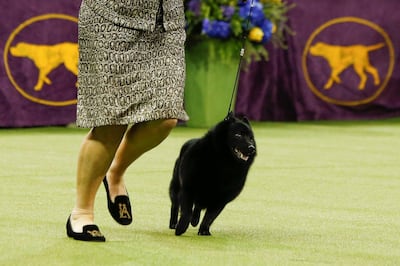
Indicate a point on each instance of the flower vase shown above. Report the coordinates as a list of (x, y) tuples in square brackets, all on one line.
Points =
[(211, 67)]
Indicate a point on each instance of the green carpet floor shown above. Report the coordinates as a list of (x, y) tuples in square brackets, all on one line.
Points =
[(318, 193)]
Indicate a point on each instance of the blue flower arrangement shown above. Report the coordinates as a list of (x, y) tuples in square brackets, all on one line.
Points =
[(259, 21)]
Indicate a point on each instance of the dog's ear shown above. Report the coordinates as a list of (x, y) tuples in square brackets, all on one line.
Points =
[(243, 118)]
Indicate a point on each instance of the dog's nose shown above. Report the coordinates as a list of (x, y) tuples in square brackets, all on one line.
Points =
[(251, 149)]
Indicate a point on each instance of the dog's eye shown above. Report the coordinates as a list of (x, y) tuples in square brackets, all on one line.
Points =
[(238, 136)]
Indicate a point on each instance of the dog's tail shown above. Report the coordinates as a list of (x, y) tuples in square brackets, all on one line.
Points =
[(376, 46)]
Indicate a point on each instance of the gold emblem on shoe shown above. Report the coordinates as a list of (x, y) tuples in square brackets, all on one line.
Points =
[(95, 233), (123, 211)]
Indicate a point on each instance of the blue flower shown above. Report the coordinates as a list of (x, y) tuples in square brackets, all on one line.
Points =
[(244, 10), (257, 12), (242, 2), (216, 29), (228, 11), (230, 20), (194, 6), (266, 27)]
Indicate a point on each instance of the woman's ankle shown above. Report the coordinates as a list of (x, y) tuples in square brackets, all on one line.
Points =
[(80, 218)]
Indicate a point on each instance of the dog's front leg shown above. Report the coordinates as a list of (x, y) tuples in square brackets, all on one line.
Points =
[(174, 216), (186, 214), (196, 216), (209, 217), (42, 78)]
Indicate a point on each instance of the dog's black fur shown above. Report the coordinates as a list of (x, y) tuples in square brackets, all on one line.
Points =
[(210, 172)]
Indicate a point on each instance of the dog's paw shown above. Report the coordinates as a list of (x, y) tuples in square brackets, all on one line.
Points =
[(194, 222), (204, 232), (182, 226), (195, 218), (179, 231), (172, 226)]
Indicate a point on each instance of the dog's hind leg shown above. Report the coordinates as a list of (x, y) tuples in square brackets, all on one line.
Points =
[(186, 204), (375, 74), (73, 68), (359, 69), (174, 189), (209, 217), (174, 215), (196, 215)]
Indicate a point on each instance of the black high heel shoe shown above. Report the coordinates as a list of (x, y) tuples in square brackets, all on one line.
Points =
[(91, 232), (120, 209)]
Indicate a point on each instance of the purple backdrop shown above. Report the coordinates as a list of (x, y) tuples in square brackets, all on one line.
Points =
[(337, 44), (333, 40), (31, 34)]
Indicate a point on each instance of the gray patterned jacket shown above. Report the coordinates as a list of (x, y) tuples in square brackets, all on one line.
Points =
[(140, 14)]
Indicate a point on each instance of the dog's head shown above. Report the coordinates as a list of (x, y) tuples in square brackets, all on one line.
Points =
[(240, 138), (21, 49), (318, 49)]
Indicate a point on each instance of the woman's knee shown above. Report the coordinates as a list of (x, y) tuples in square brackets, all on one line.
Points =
[(169, 124), (108, 134), (160, 127)]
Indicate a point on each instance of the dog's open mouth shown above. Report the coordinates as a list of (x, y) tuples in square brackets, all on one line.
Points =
[(240, 155)]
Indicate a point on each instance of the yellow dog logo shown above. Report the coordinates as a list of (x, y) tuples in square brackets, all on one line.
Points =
[(47, 58), (341, 57)]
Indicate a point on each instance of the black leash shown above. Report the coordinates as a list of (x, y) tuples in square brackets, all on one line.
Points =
[(242, 50)]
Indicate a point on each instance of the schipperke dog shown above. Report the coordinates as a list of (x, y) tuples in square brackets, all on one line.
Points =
[(210, 172)]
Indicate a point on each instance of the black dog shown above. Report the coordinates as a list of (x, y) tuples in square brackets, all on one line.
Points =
[(210, 172)]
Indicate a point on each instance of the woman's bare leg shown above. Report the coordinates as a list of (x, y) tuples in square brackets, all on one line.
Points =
[(96, 154), (139, 139)]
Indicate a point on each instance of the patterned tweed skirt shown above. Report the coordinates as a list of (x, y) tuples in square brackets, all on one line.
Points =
[(127, 76)]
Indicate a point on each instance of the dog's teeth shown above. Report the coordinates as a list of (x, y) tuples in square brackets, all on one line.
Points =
[(241, 156)]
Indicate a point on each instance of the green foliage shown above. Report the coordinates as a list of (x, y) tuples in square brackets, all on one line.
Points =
[(275, 11)]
